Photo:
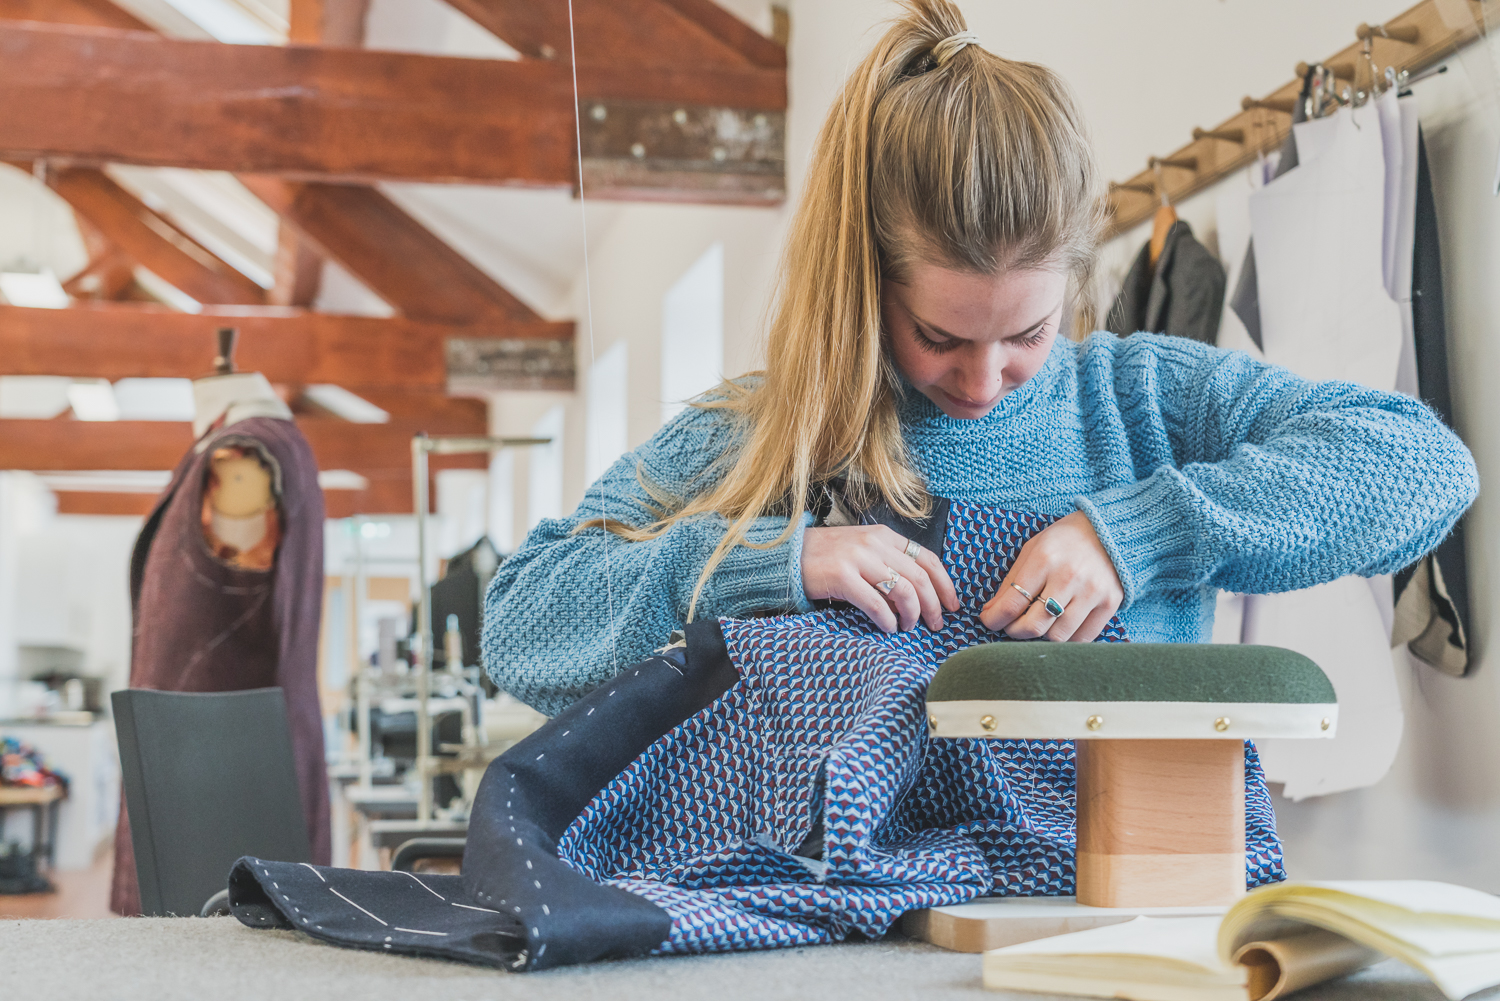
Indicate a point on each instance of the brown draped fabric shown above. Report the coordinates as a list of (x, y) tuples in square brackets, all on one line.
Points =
[(201, 625)]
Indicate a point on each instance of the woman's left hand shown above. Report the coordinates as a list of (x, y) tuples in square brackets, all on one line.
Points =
[(1066, 562)]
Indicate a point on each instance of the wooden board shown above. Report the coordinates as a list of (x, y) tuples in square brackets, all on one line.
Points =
[(995, 922)]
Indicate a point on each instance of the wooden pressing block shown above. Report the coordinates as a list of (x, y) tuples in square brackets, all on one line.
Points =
[(994, 922), (1160, 729)]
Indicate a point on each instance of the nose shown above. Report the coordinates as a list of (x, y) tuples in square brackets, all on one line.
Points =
[(981, 375)]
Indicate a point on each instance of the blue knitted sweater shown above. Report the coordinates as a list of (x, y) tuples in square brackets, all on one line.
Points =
[(1200, 469)]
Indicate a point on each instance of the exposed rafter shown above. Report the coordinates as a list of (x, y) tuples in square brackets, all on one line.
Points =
[(626, 32), (327, 22), (152, 240), (92, 13), (290, 346), (325, 113), (397, 257)]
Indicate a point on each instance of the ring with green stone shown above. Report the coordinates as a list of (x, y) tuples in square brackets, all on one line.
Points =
[(1054, 607)]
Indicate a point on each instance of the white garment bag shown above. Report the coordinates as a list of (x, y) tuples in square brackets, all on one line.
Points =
[(1327, 245)]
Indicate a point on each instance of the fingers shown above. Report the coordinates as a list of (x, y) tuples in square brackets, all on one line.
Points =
[(921, 585), (1009, 604), (904, 599), (864, 596), (1094, 624), (1036, 621), (937, 574)]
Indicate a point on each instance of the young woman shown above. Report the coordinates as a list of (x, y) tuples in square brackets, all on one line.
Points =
[(949, 218)]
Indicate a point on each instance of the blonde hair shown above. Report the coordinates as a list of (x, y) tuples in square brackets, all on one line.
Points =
[(961, 159)]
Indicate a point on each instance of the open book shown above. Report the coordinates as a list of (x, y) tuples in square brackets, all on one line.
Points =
[(1275, 940)]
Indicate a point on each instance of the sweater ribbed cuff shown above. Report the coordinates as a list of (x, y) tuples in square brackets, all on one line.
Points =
[(758, 580), (1140, 527)]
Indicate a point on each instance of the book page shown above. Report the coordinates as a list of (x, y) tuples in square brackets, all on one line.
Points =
[(1176, 945)]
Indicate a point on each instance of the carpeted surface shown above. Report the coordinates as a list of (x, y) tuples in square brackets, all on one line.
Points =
[(192, 959)]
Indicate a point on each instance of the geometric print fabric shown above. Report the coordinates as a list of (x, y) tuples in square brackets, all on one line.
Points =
[(826, 733)]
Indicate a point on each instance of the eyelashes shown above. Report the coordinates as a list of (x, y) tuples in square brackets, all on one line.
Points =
[(931, 346)]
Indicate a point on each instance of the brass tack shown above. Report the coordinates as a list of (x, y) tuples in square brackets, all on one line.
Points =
[(679, 116), (1095, 722), (637, 150), (1221, 724), (598, 113), (932, 721), (988, 722), (1326, 723)]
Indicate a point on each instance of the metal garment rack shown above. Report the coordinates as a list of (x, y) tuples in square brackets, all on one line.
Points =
[(423, 446)]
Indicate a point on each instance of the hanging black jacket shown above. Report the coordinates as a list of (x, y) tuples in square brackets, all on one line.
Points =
[(1182, 296)]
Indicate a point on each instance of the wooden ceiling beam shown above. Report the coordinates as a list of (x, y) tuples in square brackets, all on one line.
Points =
[(321, 113), (626, 32), (151, 239), (327, 22), (290, 346), (58, 445), (92, 13), (400, 260)]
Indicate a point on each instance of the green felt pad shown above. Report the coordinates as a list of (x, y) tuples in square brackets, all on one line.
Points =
[(1129, 672)]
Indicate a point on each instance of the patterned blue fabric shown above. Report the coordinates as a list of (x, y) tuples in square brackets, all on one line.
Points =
[(828, 720)]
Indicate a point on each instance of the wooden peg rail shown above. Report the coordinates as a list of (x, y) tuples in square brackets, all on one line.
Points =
[(1411, 41)]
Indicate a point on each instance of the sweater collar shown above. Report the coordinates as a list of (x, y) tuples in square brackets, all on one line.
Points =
[(920, 414)]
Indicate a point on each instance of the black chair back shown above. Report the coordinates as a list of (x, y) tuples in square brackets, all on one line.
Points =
[(208, 777)]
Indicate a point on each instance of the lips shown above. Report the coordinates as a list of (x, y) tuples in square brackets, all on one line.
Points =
[(959, 403)]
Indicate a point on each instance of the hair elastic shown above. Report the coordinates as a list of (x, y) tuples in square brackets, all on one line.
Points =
[(953, 45)]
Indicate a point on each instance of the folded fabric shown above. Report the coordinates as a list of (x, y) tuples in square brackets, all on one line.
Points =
[(772, 785)]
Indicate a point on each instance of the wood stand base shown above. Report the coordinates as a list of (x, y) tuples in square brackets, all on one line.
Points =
[(1161, 823)]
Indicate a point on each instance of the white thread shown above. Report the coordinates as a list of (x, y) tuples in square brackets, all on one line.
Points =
[(425, 886), (351, 904), (588, 299)]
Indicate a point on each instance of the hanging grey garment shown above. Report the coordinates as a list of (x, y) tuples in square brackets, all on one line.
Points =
[(1432, 595), (1182, 296), (1246, 298)]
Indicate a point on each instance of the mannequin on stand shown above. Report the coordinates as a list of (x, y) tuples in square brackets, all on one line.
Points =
[(226, 579)]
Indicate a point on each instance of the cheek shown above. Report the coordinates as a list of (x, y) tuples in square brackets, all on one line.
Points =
[(921, 368), (1022, 365)]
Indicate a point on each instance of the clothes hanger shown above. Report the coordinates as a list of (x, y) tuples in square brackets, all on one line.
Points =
[(1165, 218)]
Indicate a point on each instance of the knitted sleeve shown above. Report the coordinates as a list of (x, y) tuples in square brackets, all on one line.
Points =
[(570, 608), (1252, 479)]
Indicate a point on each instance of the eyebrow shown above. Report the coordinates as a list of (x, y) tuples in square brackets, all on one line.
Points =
[(1008, 337)]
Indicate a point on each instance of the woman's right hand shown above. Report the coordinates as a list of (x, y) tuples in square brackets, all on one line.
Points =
[(846, 563)]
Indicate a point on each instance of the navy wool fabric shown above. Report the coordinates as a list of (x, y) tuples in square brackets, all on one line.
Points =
[(775, 786)]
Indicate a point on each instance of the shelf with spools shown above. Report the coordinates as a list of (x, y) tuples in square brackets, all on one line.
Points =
[(1411, 42)]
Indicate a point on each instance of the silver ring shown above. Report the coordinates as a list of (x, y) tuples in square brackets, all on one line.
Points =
[(889, 584), (1054, 607), (912, 549), (1025, 593)]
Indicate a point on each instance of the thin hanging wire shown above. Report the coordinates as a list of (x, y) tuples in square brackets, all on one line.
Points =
[(588, 297)]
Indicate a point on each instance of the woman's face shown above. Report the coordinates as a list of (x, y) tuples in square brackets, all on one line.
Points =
[(965, 340)]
